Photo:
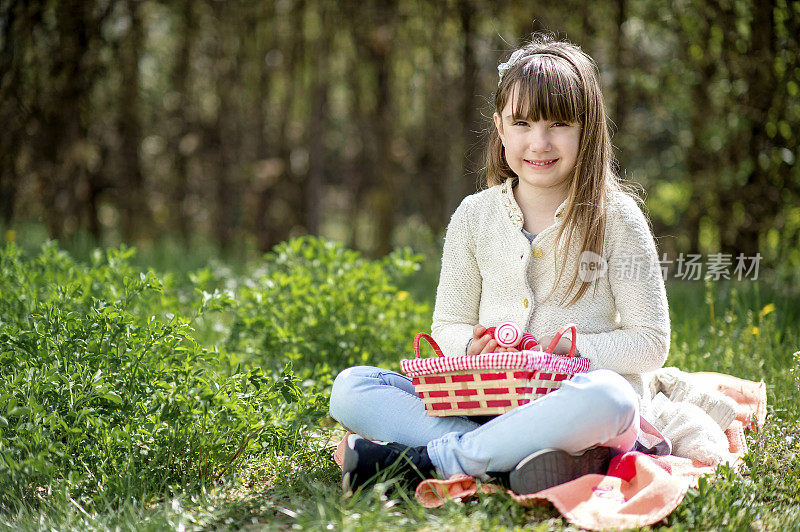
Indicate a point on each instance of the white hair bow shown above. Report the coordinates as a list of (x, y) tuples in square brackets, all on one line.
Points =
[(502, 68)]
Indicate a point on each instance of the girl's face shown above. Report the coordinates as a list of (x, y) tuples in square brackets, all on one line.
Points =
[(541, 153)]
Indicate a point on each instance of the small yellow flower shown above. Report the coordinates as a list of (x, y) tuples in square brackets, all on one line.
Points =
[(11, 235), (755, 331), (767, 309), (402, 294)]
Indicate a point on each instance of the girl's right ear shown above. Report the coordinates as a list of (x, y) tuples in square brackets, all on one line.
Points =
[(498, 124)]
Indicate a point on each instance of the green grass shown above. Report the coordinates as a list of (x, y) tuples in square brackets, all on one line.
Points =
[(746, 329)]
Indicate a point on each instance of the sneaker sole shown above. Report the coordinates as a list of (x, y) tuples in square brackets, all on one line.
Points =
[(551, 467), (349, 463)]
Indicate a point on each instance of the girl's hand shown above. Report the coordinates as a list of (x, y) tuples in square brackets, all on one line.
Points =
[(483, 343), (562, 347)]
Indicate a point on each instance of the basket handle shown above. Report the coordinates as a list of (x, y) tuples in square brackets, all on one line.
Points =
[(430, 340), (564, 328)]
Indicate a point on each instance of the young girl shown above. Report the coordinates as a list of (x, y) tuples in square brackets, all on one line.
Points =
[(553, 239)]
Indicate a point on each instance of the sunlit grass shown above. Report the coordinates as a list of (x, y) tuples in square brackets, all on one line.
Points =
[(745, 329)]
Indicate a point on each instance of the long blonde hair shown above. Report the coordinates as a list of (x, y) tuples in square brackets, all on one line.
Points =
[(558, 81)]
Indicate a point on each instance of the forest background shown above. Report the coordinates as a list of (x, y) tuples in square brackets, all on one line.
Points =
[(241, 124)]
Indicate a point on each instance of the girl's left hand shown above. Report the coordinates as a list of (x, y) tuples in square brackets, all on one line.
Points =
[(562, 347)]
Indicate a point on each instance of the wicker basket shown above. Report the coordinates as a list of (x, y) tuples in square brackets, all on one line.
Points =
[(489, 384)]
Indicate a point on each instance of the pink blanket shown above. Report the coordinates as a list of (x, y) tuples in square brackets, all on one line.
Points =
[(638, 489)]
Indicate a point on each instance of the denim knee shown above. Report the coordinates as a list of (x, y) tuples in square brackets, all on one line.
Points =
[(344, 392), (614, 400)]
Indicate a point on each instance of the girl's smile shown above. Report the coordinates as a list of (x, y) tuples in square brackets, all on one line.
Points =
[(541, 163)]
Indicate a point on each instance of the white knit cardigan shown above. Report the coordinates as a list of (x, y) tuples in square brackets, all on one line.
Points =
[(492, 273)]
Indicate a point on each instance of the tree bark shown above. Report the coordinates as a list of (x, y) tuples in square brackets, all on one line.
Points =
[(317, 128), (11, 112), (621, 96), (385, 194), (270, 228), (361, 167), (470, 110), (763, 199), (698, 160), (62, 108), (136, 219), (182, 123), (225, 137)]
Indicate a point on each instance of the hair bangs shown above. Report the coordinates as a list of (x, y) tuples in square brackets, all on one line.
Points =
[(547, 88)]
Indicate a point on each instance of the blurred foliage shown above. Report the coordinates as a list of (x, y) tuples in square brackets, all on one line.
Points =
[(316, 299), (251, 122)]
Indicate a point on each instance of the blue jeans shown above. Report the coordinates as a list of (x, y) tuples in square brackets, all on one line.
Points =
[(595, 408)]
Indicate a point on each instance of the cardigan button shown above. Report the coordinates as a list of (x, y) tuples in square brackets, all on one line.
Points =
[(525, 303), (538, 252)]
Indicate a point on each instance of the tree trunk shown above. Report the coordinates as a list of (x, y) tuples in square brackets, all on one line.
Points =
[(470, 111), (270, 227), (621, 96), (61, 110), (698, 160), (317, 127), (361, 167), (225, 132), (763, 199), (182, 124), (385, 193), (10, 115), (135, 207)]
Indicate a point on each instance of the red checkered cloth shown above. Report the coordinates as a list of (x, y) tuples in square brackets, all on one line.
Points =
[(533, 360)]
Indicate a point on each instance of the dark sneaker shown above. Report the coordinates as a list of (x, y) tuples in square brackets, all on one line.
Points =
[(551, 467), (364, 460), (499, 477)]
